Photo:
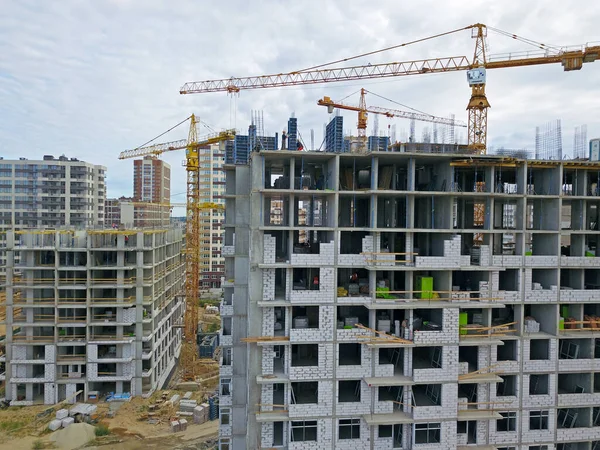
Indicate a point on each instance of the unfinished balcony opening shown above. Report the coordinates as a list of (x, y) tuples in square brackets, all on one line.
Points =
[(279, 359), (71, 371), (392, 321), (72, 334), (393, 356), (573, 182), (508, 214), (354, 211), (427, 358), (350, 316), (470, 213), (353, 282), (507, 243), (427, 395), (349, 391), (305, 355), (542, 214), (71, 315), (103, 258), (428, 319), (391, 212), (305, 278), (311, 211), (277, 174), (575, 383), (281, 245), (391, 285), (70, 352), (539, 350), (431, 177), (544, 279), (355, 174), (468, 428), (280, 319), (571, 279), (469, 392), (539, 384), (578, 446), (279, 396), (504, 318), (508, 280), (540, 318), (468, 356), (393, 175), (315, 175), (226, 326), (432, 213), (106, 351), (429, 244), (507, 387), (540, 244), (575, 349), (508, 351), (305, 393), (280, 284), (591, 279), (473, 284), (573, 417), (308, 242), (391, 394), (543, 181), (73, 259), (349, 354), (103, 332), (351, 242), (591, 245), (592, 187), (276, 210), (305, 317)]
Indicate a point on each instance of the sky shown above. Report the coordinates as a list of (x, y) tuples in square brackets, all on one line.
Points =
[(89, 79)]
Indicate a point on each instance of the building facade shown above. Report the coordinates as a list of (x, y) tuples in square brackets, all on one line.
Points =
[(92, 311), (50, 193), (212, 187), (407, 300), (124, 212), (151, 180)]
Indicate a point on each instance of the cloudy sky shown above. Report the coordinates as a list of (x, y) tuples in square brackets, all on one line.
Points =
[(91, 78)]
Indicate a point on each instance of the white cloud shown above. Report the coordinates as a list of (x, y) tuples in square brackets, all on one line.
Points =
[(90, 79)]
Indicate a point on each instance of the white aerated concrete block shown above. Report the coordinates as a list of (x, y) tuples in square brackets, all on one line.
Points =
[(62, 414), (55, 425), (68, 421)]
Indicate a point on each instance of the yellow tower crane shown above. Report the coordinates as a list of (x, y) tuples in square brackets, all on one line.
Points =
[(571, 58), (194, 232), (363, 111)]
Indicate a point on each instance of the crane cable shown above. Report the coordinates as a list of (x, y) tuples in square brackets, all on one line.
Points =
[(384, 49), (162, 134)]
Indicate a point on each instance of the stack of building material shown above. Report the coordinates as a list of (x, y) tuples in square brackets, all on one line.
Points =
[(68, 421), (62, 414), (175, 399), (213, 409), (186, 407), (175, 426), (341, 292), (536, 286), (200, 414), (187, 395), (55, 425), (531, 325), (182, 424)]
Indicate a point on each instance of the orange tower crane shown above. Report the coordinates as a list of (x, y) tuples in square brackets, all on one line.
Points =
[(193, 233), (363, 111), (571, 58)]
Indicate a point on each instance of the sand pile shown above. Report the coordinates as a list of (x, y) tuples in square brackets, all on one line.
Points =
[(74, 436)]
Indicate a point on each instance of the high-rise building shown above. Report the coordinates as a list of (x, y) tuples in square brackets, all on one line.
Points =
[(410, 300), (92, 311), (212, 189), (151, 180), (50, 193), (124, 212)]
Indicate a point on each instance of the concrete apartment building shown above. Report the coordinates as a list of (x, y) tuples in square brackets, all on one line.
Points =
[(481, 328), (125, 212), (212, 188), (91, 310), (151, 180)]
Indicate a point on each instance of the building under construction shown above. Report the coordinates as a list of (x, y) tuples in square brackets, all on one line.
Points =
[(93, 312), (419, 298)]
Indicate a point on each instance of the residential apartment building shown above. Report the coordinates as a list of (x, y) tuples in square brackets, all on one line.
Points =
[(92, 311), (212, 187), (126, 212), (50, 193), (410, 300), (151, 180)]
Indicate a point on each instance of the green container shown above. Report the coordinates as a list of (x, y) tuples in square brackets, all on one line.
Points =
[(561, 323), (463, 319), (425, 286)]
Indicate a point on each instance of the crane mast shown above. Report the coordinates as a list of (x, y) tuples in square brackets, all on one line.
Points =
[(193, 234)]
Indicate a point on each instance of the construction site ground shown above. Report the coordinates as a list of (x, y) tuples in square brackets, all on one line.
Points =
[(130, 424)]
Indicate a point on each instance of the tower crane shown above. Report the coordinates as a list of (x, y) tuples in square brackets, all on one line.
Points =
[(363, 111), (571, 58), (189, 353)]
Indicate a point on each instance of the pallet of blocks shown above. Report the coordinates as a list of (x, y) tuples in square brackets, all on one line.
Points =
[(175, 426), (200, 414)]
